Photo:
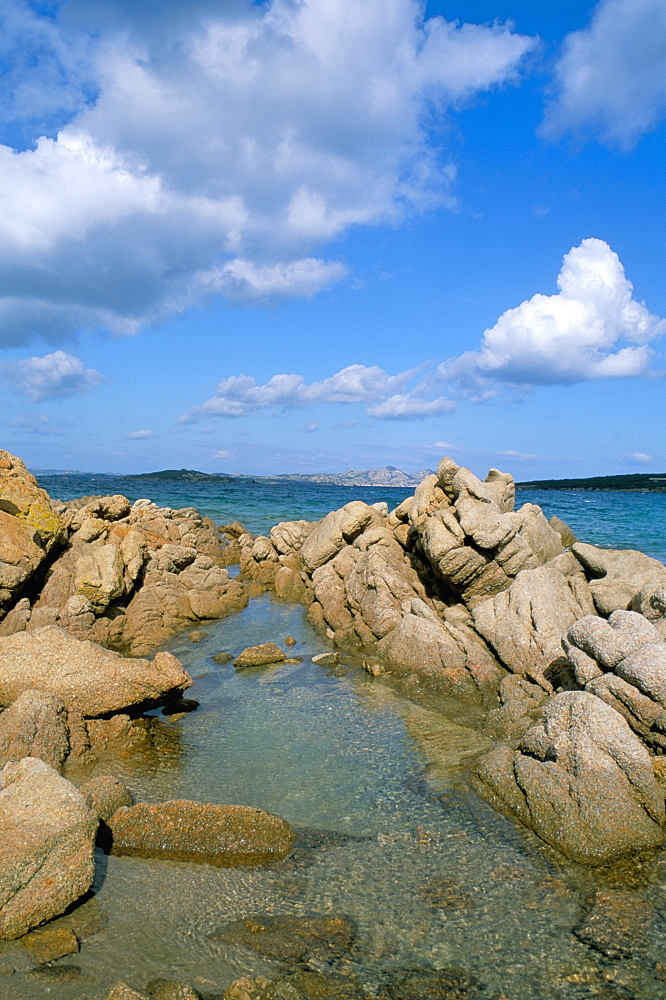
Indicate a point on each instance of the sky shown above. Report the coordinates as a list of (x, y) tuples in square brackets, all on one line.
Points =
[(320, 235)]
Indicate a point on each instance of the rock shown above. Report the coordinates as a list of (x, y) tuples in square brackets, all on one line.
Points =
[(35, 726), (197, 636), (121, 991), (616, 923), (563, 530), (525, 623), (222, 658), (47, 833), (453, 659), (581, 780), (89, 679), (521, 706), (170, 989), (326, 659), (29, 528), (618, 575), (330, 535), (291, 941), (609, 642), (46, 945), (197, 831), (106, 794), (434, 984), (257, 656), (290, 641), (100, 576)]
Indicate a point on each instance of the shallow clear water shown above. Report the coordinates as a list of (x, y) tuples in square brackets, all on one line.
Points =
[(351, 756), (432, 877)]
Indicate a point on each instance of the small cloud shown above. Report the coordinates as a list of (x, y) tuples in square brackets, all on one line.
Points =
[(311, 427), (140, 435), (52, 376), (540, 211), (519, 456), (223, 454), (637, 458), (40, 425), (404, 406), (445, 445)]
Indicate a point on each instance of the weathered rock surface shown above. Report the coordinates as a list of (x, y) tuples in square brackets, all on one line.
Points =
[(581, 780), (197, 831), (50, 943), (29, 528), (524, 625), (106, 794), (47, 833), (87, 678), (35, 726), (616, 923), (127, 576), (618, 575), (623, 662)]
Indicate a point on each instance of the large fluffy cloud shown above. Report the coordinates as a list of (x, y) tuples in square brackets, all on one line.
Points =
[(592, 329), (611, 77), (182, 150)]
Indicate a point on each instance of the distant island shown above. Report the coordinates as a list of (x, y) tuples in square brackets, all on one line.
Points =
[(638, 482), (388, 476)]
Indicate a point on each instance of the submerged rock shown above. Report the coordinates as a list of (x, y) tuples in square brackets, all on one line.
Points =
[(616, 923), (86, 677), (581, 780), (47, 833), (292, 941), (196, 831)]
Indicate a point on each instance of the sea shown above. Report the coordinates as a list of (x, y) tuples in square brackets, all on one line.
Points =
[(442, 890)]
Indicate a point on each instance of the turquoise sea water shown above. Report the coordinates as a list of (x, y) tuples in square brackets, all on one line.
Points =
[(432, 878)]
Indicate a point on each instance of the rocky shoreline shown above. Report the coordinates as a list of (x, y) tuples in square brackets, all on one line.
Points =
[(560, 645)]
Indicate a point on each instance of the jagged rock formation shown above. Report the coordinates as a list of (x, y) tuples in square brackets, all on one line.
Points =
[(126, 576)]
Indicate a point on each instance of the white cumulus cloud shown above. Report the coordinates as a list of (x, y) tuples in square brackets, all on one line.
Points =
[(51, 376), (140, 435), (173, 151), (637, 458), (592, 329), (611, 76), (368, 385)]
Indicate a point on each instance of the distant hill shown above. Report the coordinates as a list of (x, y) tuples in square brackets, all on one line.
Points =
[(184, 476), (389, 476), (637, 482)]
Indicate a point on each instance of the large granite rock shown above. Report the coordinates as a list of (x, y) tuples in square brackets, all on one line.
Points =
[(623, 662), (87, 678), (47, 834), (196, 831), (35, 725), (581, 780), (618, 575), (29, 528), (524, 625)]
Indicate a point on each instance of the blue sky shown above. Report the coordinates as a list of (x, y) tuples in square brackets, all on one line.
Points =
[(314, 235)]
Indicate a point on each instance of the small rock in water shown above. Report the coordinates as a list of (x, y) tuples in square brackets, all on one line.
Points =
[(181, 830), (294, 659), (170, 989), (258, 656), (616, 923), (445, 894), (180, 705), (64, 974), (197, 636), (373, 668), (121, 991), (293, 941), (326, 659), (106, 794), (222, 658), (434, 984), (290, 641), (46, 945)]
